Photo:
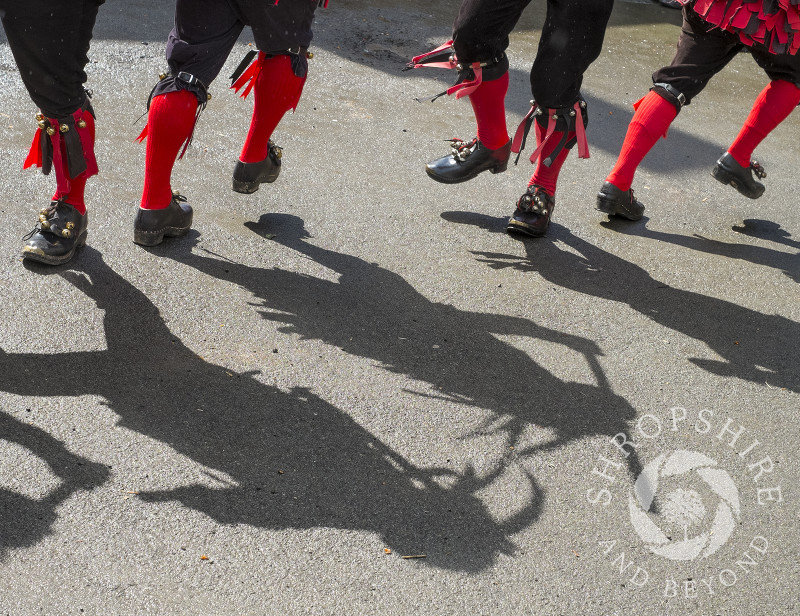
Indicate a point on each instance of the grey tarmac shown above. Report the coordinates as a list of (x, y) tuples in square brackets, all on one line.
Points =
[(352, 393)]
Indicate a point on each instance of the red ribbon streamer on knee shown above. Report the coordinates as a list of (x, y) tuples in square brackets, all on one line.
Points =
[(465, 88), (418, 61), (34, 158), (551, 127), (519, 135), (524, 126), (248, 78), (87, 144), (580, 132)]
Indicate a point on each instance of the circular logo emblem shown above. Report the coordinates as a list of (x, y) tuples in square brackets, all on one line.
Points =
[(664, 497)]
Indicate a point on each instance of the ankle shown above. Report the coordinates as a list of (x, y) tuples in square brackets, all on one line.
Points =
[(79, 207)]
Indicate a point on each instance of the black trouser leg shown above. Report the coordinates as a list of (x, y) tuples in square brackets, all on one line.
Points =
[(50, 42), (481, 29), (704, 50), (572, 38)]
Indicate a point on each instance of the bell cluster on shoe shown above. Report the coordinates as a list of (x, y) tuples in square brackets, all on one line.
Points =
[(533, 203), (758, 169), (45, 222), (461, 150)]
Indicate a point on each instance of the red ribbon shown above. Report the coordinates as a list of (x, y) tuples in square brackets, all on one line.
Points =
[(34, 157), (248, 78), (465, 88), (452, 63), (580, 132)]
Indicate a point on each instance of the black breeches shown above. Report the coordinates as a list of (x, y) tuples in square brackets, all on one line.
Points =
[(50, 42), (206, 30), (704, 50), (572, 38)]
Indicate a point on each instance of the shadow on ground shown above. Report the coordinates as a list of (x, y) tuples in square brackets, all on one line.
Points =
[(335, 473), (25, 520), (752, 346)]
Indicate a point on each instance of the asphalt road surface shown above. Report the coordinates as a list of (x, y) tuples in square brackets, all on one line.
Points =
[(353, 393)]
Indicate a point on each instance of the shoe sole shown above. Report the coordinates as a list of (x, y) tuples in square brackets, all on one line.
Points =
[(49, 260), (248, 188), (519, 228), (245, 188), (154, 238), (500, 168), (722, 175)]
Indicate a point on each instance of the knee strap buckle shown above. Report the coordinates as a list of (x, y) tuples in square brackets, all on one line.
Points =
[(679, 96)]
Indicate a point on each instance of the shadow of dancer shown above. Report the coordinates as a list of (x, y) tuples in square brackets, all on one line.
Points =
[(753, 346), (788, 263), (25, 520), (374, 313), (284, 459)]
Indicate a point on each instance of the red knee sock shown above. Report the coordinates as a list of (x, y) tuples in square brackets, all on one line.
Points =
[(772, 107), (75, 195), (277, 90), (169, 124), (544, 176), (653, 116), (488, 104)]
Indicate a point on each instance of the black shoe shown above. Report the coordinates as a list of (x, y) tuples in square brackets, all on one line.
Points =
[(467, 160), (533, 212), (616, 202), (728, 171), (247, 177), (150, 226), (60, 232)]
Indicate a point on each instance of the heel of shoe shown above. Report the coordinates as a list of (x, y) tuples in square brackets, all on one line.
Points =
[(500, 167), (245, 188), (723, 176), (605, 204), (147, 238)]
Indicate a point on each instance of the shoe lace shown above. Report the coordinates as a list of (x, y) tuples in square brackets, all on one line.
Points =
[(461, 149), (758, 169), (43, 224)]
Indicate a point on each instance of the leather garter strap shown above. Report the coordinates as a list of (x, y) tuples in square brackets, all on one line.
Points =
[(194, 85), (560, 123)]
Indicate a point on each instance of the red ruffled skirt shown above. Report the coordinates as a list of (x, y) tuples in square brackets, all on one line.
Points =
[(772, 23)]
